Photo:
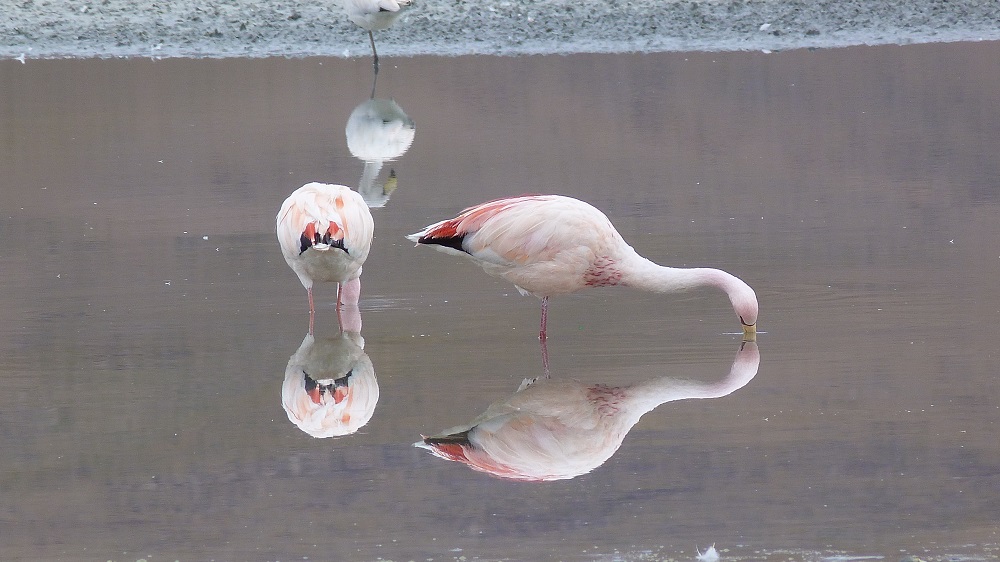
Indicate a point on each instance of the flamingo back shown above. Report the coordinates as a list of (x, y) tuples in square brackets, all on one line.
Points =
[(544, 244), (325, 232)]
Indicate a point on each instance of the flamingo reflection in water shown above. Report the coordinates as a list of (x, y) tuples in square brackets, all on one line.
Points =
[(375, 15), (549, 245), (553, 429), (378, 131), (330, 387)]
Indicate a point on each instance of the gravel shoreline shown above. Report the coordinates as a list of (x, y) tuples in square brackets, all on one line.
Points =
[(256, 28)]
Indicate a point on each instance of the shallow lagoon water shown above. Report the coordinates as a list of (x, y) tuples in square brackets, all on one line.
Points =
[(149, 317)]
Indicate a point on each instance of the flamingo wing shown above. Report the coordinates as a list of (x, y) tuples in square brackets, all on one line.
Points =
[(520, 230), (324, 216)]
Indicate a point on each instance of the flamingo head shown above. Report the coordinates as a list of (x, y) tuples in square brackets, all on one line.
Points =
[(744, 302)]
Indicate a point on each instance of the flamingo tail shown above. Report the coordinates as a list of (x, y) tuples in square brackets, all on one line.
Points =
[(333, 237)]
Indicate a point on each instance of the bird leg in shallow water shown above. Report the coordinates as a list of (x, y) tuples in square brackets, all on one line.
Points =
[(349, 293), (542, 337), (349, 318), (375, 55), (348, 315), (545, 318)]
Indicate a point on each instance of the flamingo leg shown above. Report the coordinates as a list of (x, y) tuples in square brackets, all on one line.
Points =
[(542, 337), (545, 318), (348, 295), (350, 292)]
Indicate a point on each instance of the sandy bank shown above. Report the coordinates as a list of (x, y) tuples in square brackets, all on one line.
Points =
[(258, 28)]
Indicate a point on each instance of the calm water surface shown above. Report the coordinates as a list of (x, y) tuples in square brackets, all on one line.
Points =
[(148, 317)]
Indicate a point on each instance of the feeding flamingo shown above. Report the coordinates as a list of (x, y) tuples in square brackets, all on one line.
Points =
[(375, 15), (549, 245), (554, 429), (325, 232)]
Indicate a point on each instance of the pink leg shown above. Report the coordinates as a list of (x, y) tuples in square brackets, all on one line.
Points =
[(545, 318), (350, 292), (349, 317), (542, 337)]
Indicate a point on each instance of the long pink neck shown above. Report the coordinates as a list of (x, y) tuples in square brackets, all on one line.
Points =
[(641, 273)]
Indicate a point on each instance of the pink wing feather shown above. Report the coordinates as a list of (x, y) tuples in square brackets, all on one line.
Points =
[(521, 230)]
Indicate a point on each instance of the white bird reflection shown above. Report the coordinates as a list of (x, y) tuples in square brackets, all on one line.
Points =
[(378, 131), (330, 387), (558, 429)]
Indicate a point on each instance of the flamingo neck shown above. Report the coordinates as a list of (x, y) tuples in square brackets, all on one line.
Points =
[(641, 273)]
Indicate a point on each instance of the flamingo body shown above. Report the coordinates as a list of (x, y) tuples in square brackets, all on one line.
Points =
[(550, 245), (325, 233)]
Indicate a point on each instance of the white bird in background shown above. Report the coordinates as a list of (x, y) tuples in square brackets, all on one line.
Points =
[(549, 245), (558, 429), (375, 15), (325, 232), (378, 131)]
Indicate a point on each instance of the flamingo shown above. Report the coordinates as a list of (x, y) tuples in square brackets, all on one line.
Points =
[(552, 429), (330, 387), (549, 245), (375, 15), (325, 232)]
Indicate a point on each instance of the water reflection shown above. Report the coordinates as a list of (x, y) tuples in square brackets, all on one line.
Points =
[(378, 131), (330, 387), (552, 429)]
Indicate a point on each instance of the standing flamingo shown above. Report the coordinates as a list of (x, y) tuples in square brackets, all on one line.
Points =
[(548, 245), (325, 232), (375, 15)]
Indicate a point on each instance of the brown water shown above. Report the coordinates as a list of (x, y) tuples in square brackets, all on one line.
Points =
[(148, 316)]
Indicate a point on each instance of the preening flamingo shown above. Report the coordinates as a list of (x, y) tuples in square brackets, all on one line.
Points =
[(325, 232), (330, 387), (553, 429), (375, 15), (549, 245)]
